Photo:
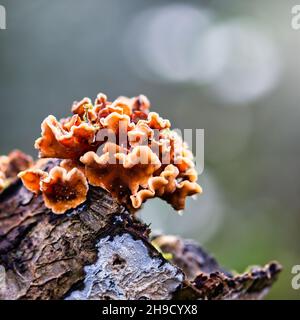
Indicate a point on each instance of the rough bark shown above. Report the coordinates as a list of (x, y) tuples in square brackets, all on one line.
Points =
[(101, 251), (205, 279)]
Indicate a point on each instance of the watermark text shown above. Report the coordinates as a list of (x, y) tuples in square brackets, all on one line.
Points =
[(295, 22), (296, 279), (2, 18)]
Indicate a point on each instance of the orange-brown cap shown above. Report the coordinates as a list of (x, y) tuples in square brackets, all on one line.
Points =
[(61, 190)]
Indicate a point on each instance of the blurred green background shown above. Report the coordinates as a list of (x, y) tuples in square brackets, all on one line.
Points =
[(230, 67)]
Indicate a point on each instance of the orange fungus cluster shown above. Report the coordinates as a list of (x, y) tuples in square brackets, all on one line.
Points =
[(120, 146)]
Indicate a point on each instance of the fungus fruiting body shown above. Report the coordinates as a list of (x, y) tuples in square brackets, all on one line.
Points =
[(62, 190), (120, 146), (11, 165)]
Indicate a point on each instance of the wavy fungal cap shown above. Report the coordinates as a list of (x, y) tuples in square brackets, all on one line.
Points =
[(119, 146), (61, 190)]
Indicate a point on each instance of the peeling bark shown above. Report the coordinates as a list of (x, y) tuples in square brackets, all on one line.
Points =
[(125, 270), (101, 251)]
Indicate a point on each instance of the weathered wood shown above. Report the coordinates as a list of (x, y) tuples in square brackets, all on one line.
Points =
[(205, 279), (44, 255), (101, 251)]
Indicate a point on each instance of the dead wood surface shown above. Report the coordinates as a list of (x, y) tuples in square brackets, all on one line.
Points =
[(101, 251)]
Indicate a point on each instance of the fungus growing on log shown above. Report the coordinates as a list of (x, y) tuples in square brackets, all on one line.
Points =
[(100, 250), (119, 146)]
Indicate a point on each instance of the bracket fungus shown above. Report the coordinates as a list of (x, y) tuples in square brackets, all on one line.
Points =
[(61, 190), (119, 146), (11, 165)]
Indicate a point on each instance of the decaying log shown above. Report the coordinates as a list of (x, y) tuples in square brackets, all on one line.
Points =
[(44, 254), (205, 279), (101, 251)]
